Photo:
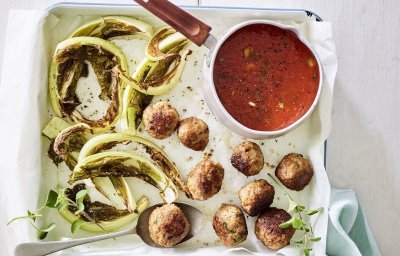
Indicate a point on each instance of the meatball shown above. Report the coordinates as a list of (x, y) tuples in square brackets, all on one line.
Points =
[(268, 231), (205, 179), (168, 225), (160, 120), (294, 171), (248, 158), (230, 225), (256, 197), (193, 133)]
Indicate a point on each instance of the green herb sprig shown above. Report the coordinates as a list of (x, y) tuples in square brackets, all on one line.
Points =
[(60, 202), (298, 221)]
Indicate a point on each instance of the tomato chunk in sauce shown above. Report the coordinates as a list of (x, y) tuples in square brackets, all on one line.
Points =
[(265, 77)]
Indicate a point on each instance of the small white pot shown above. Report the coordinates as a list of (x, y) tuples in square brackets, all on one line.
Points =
[(214, 102)]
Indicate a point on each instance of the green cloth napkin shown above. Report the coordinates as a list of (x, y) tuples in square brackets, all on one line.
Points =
[(348, 230)]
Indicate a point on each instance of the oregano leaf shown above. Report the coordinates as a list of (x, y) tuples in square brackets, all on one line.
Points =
[(51, 200), (31, 215), (62, 201), (81, 194), (81, 208), (312, 212), (76, 225), (300, 208), (287, 224), (42, 233), (49, 228), (298, 223), (292, 205), (301, 241), (315, 239)]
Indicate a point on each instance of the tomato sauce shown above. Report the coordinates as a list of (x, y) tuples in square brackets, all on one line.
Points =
[(265, 77)]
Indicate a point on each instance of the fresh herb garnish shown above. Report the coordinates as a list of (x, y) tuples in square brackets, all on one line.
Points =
[(60, 202), (33, 215), (298, 222), (80, 196), (76, 225), (42, 233)]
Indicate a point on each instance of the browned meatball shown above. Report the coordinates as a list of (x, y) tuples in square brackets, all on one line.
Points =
[(294, 171), (248, 158), (168, 225), (230, 225), (268, 231), (193, 133), (205, 179), (160, 120), (256, 197)]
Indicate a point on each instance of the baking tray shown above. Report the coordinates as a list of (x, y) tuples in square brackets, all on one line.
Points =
[(220, 18), (299, 15)]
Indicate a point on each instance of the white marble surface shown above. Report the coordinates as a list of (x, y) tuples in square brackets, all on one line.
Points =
[(364, 145)]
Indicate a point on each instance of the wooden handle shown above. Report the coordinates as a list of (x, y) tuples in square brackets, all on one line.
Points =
[(194, 29)]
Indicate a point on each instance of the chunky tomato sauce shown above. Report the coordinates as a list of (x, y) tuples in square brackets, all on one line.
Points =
[(265, 77)]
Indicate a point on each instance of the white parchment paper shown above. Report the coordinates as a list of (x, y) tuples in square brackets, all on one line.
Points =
[(26, 174)]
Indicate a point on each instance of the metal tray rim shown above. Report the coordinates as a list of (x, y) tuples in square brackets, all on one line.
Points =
[(70, 4)]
